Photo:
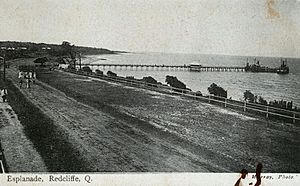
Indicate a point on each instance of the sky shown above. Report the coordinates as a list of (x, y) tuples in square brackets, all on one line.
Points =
[(232, 27)]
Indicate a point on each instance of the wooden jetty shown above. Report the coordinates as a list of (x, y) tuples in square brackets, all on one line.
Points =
[(283, 69), (200, 68), (192, 68), (138, 66)]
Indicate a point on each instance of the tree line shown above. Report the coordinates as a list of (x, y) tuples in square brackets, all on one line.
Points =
[(251, 98), (15, 49)]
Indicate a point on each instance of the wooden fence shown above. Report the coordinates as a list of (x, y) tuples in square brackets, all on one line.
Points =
[(266, 110)]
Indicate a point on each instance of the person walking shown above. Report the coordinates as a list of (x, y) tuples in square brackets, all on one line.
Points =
[(30, 75), (33, 77), (21, 83), (1, 94), (4, 94), (27, 83), (20, 74)]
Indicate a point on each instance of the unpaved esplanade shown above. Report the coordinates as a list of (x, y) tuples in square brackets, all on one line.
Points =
[(92, 125)]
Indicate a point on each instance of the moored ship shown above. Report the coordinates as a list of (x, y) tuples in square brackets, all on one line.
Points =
[(283, 69)]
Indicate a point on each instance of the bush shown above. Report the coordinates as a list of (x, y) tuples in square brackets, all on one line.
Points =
[(174, 82), (112, 74), (87, 69), (216, 90), (248, 96), (41, 60), (150, 79), (99, 72), (198, 93), (262, 101), (129, 77)]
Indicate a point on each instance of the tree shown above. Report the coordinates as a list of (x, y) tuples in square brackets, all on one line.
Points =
[(68, 50), (216, 90), (66, 47)]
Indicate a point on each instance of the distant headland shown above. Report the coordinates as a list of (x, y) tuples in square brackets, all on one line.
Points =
[(16, 49)]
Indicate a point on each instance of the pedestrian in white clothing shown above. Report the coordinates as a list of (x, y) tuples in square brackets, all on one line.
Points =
[(20, 75), (27, 83), (30, 75), (4, 94)]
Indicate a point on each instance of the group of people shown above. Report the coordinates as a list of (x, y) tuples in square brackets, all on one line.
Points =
[(28, 77), (4, 94)]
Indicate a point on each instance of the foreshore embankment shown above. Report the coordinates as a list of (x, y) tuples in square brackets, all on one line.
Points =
[(112, 127), (48, 139), (269, 111), (225, 134)]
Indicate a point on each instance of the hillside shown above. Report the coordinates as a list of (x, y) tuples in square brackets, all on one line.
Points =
[(15, 49)]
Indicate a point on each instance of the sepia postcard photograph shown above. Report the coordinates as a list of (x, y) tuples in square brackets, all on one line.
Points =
[(150, 92)]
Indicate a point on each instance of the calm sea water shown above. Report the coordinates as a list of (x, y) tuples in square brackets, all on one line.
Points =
[(268, 85)]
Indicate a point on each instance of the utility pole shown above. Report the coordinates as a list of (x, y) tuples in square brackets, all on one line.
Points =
[(3, 58), (4, 68), (80, 61)]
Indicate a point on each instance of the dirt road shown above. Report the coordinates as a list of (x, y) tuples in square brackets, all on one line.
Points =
[(105, 143), (114, 128)]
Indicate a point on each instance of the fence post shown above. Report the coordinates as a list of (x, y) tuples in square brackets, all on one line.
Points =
[(294, 118), (267, 115), (245, 106), (208, 98), (225, 102)]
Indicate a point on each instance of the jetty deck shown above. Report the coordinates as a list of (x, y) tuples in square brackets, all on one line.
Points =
[(192, 68), (168, 67)]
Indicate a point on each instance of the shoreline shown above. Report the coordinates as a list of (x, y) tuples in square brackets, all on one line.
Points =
[(236, 84), (273, 113)]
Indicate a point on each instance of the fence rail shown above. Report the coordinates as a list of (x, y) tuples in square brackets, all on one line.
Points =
[(3, 165), (2, 169), (268, 111)]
